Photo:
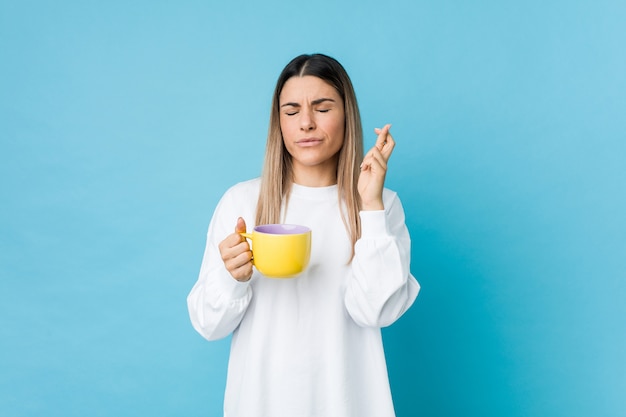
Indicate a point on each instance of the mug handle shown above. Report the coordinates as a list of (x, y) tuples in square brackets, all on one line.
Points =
[(248, 236)]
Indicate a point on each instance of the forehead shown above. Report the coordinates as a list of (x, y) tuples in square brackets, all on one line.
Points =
[(307, 88)]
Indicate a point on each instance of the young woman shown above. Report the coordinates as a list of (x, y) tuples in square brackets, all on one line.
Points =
[(310, 345)]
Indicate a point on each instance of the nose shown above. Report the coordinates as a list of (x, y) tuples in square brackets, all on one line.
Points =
[(307, 121)]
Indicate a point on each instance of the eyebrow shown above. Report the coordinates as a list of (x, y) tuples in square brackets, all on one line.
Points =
[(314, 102)]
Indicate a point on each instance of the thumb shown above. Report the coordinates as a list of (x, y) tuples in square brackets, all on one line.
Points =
[(241, 226)]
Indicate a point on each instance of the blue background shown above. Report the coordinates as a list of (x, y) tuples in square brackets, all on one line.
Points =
[(122, 123)]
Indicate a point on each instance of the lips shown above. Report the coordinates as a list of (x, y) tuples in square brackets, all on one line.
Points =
[(306, 142)]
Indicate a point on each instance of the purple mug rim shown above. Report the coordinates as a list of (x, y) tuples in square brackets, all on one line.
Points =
[(281, 229)]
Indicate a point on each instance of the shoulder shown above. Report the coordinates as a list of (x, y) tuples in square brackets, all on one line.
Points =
[(242, 193), (245, 188), (239, 200)]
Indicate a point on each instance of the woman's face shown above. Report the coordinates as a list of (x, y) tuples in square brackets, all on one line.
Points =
[(312, 121)]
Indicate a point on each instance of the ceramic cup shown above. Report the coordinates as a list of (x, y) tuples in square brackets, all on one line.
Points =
[(280, 250)]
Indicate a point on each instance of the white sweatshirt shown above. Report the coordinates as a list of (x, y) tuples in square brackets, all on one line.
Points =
[(311, 345)]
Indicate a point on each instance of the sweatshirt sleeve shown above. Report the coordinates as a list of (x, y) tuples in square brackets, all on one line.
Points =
[(217, 302), (381, 287)]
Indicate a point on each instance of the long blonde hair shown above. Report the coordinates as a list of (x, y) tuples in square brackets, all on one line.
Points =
[(277, 173)]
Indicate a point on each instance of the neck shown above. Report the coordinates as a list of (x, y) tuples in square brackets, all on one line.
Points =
[(315, 176)]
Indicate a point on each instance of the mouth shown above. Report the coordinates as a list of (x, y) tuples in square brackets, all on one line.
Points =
[(308, 142)]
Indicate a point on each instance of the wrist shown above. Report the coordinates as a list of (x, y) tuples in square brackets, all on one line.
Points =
[(372, 205)]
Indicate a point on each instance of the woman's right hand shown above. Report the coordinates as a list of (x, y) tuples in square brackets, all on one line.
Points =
[(236, 253)]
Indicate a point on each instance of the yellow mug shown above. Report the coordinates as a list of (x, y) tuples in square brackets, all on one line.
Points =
[(280, 250)]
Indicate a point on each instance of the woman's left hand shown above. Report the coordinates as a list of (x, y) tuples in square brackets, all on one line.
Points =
[(374, 169)]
